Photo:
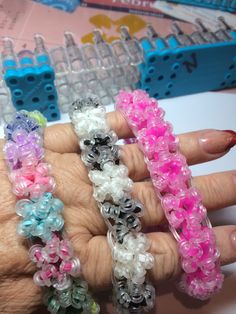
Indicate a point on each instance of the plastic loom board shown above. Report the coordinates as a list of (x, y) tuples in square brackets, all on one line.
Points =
[(186, 70), (224, 5), (32, 88)]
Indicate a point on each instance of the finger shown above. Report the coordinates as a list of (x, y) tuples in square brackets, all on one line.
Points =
[(71, 177), (196, 146), (98, 274), (211, 143), (163, 248), (132, 157), (62, 139), (206, 145), (217, 191), (95, 257), (118, 124), (199, 146)]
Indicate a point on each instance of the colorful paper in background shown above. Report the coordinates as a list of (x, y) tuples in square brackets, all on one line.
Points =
[(145, 7), (21, 19)]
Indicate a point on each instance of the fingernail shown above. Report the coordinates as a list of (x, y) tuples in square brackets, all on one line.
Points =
[(217, 141), (233, 239), (232, 143)]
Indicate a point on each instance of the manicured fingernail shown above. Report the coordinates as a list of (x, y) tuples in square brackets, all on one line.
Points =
[(232, 143), (217, 142), (233, 239)]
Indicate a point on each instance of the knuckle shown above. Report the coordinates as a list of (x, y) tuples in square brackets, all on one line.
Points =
[(216, 190), (167, 261), (132, 157), (153, 213), (170, 265), (118, 123)]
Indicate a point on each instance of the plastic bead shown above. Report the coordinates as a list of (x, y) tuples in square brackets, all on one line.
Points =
[(182, 206), (169, 174), (30, 176), (64, 298), (41, 217), (125, 215), (136, 299), (182, 203), (22, 121), (84, 104), (89, 120), (33, 181), (53, 306), (24, 151), (121, 213), (120, 231), (99, 149), (38, 117), (57, 263), (131, 258), (74, 299), (41, 214), (110, 184)]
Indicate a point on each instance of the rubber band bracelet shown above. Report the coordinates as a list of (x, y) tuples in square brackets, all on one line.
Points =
[(181, 201), (112, 187), (41, 217)]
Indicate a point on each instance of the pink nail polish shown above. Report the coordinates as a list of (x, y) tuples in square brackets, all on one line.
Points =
[(217, 141)]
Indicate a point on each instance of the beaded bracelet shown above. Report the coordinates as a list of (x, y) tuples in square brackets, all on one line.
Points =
[(181, 202), (121, 213), (42, 222)]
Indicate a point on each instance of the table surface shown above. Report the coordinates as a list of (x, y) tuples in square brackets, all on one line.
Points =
[(206, 110)]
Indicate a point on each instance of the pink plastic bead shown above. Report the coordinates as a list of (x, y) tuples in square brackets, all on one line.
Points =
[(182, 203), (170, 173), (56, 262), (32, 181)]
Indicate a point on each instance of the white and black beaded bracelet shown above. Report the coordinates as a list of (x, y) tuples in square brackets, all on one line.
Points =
[(112, 187)]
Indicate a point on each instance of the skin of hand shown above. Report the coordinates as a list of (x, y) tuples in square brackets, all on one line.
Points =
[(84, 224)]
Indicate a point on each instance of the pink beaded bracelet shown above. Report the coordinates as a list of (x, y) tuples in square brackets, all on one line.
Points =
[(181, 202)]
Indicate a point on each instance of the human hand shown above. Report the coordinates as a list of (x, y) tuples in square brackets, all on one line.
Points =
[(84, 224)]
